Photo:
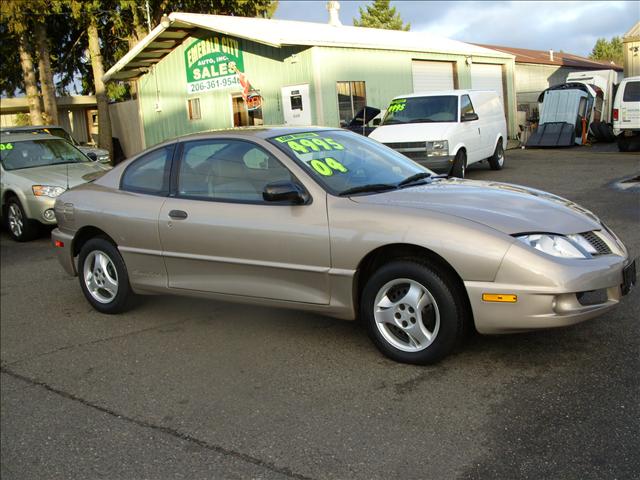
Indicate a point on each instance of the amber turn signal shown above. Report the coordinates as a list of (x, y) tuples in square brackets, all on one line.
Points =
[(499, 297)]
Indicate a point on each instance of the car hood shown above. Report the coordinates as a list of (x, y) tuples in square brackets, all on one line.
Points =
[(508, 208), (97, 151), (413, 132), (56, 175)]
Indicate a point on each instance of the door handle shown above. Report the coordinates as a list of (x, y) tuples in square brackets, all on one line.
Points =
[(178, 214)]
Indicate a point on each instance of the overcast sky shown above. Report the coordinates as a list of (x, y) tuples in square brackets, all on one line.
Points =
[(572, 27)]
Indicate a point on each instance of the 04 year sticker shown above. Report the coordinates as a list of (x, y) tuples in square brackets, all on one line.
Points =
[(328, 166)]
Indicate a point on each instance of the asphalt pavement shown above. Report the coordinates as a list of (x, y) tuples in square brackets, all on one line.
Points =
[(196, 389)]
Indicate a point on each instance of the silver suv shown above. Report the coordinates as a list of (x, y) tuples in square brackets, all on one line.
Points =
[(95, 154)]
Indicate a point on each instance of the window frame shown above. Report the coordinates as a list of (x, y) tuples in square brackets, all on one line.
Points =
[(179, 157), (190, 110), (473, 110), (166, 176)]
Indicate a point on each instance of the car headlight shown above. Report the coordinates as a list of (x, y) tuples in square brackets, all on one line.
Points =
[(438, 148), (47, 191), (556, 245), (103, 158)]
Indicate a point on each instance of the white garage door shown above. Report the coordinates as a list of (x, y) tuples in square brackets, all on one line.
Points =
[(432, 76), (487, 77)]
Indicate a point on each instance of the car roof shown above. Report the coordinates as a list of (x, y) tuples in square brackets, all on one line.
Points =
[(442, 93), (25, 137), (256, 132), (28, 128)]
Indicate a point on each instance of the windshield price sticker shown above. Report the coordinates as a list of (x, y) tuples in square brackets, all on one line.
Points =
[(327, 166), (6, 146), (310, 142), (397, 105)]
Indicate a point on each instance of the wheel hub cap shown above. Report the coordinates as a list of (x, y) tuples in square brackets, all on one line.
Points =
[(100, 277), (15, 220), (406, 315)]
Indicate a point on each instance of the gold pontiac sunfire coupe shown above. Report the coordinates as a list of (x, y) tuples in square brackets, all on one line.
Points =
[(332, 222)]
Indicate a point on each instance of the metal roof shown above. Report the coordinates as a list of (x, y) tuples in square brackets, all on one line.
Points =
[(278, 33), (561, 59)]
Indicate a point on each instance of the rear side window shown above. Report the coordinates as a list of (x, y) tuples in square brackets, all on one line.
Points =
[(150, 173), (465, 105), (631, 92)]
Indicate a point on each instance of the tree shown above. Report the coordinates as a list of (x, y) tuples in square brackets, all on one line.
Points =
[(90, 15), (380, 15), (609, 51), (47, 84), (13, 15)]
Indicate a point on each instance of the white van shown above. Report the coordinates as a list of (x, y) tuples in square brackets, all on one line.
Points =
[(446, 131), (626, 114)]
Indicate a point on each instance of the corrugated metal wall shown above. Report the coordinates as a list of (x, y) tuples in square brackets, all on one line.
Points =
[(386, 73), (267, 69)]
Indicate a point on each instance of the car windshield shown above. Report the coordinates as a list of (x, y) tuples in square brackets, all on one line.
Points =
[(38, 153), (343, 161), (60, 132), (422, 110)]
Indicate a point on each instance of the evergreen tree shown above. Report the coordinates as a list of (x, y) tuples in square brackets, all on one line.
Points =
[(609, 51), (380, 15)]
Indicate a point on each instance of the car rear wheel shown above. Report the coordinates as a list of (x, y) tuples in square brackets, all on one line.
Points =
[(496, 161), (459, 168), (103, 276), (20, 227), (411, 312)]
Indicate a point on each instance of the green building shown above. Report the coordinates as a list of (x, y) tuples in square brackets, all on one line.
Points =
[(200, 72)]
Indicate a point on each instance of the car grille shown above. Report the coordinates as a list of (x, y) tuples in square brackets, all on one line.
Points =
[(416, 151), (404, 145), (596, 242)]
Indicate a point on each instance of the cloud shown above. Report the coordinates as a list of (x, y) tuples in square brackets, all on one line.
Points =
[(570, 26)]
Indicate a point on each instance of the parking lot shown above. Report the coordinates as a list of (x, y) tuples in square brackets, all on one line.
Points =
[(184, 388)]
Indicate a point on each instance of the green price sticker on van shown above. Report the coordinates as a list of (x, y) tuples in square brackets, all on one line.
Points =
[(397, 105), (6, 146)]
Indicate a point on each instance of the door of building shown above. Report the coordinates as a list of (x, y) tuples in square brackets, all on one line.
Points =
[(432, 76), (242, 115), (487, 77)]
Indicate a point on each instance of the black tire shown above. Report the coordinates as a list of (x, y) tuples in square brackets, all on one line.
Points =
[(117, 303), (459, 168), (623, 143), (450, 310), (25, 229), (496, 161)]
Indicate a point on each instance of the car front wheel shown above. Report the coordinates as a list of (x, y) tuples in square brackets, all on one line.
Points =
[(459, 168), (20, 227), (496, 161), (103, 276), (411, 312)]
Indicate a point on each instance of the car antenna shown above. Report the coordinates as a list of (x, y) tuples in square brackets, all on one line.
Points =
[(67, 176)]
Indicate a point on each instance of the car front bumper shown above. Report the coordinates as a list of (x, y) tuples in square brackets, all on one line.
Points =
[(40, 209), (63, 246), (556, 293)]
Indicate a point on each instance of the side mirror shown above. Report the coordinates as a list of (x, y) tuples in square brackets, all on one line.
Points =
[(285, 191), (469, 117), (376, 122), (92, 156)]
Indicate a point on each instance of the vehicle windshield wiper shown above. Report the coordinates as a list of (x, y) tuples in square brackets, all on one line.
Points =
[(372, 187), (414, 178), (421, 120)]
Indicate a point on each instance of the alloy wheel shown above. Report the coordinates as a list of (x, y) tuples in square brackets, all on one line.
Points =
[(100, 276), (406, 315)]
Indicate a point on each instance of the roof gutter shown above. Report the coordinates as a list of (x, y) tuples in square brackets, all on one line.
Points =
[(131, 54)]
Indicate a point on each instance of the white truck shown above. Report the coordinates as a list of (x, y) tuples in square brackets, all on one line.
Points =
[(446, 131), (604, 83), (626, 114)]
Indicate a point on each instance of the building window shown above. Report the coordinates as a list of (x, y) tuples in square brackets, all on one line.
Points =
[(194, 109), (352, 97)]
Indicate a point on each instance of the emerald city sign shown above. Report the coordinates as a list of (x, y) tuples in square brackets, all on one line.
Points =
[(212, 64)]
